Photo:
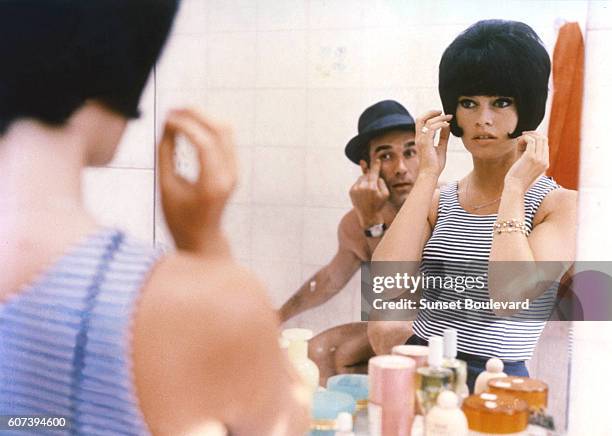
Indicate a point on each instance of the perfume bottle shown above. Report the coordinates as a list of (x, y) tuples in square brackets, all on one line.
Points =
[(434, 378), (459, 367)]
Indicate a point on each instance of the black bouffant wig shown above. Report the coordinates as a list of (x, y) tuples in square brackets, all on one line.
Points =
[(56, 54), (497, 57)]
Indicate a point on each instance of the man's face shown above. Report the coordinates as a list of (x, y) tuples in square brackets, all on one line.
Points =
[(399, 162)]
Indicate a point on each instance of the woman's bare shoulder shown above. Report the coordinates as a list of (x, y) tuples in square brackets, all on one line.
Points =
[(560, 198), (558, 201), (185, 282), (195, 318)]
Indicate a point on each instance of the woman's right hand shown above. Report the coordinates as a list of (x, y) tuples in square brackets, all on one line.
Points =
[(533, 161), (432, 158), (193, 211)]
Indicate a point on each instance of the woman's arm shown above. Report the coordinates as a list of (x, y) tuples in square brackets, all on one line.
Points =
[(405, 238), (205, 349), (205, 342), (548, 252)]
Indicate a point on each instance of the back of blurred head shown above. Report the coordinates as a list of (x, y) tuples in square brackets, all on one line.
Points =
[(57, 54)]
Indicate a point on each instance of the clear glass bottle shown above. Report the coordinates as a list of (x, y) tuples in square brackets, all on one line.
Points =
[(459, 367), (433, 378)]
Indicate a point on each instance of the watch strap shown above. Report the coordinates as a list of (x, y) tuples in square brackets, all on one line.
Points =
[(373, 231)]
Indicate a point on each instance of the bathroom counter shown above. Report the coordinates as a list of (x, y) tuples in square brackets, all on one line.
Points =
[(361, 427)]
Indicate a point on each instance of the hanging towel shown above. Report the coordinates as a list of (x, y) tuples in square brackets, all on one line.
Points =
[(564, 126)]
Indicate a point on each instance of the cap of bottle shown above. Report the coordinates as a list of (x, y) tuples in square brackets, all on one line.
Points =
[(450, 343), (344, 422), (448, 400), (495, 365), (298, 342), (435, 351), (297, 334)]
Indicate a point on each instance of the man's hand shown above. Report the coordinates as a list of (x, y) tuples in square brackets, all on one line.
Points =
[(369, 195), (193, 210)]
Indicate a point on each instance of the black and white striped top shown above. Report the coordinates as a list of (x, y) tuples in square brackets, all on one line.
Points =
[(460, 246), (65, 339)]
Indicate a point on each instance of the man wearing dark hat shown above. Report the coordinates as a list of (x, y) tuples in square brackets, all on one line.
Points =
[(386, 152)]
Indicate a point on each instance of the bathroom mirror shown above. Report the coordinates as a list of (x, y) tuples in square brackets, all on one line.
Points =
[(292, 78)]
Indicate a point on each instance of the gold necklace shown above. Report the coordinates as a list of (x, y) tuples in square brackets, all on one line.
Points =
[(479, 206)]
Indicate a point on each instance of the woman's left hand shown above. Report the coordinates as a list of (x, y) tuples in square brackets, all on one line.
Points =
[(532, 163)]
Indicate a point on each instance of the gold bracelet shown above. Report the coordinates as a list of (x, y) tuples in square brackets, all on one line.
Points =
[(510, 226)]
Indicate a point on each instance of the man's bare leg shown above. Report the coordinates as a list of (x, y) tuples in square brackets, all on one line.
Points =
[(343, 349)]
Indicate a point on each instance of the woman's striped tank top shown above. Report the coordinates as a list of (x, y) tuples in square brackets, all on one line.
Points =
[(65, 339), (460, 246)]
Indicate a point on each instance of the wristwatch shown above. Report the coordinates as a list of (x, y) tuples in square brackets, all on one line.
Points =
[(375, 231)]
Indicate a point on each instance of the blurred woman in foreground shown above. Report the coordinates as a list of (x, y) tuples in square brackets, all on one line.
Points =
[(95, 326)]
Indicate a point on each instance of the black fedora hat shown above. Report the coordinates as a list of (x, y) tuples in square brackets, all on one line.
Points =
[(375, 120)]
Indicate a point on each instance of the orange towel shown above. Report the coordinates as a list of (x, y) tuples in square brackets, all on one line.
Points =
[(564, 126)]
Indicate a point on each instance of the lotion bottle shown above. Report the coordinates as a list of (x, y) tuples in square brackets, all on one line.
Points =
[(298, 355), (446, 418)]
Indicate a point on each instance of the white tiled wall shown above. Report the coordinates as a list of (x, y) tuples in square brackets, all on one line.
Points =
[(122, 197), (292, 78), (280, 117), (592, 349)]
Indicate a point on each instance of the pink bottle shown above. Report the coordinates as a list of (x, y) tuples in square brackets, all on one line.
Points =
[(392, 388)]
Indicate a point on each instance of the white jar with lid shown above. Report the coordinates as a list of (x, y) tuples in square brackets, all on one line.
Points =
[(446, 418)]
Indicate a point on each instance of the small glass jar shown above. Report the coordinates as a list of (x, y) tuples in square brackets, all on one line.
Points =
[(493, 414), (532, 391)]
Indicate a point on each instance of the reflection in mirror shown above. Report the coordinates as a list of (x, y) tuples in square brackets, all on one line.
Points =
[(293, 79)]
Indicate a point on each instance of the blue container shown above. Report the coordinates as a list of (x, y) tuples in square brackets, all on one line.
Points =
[(326, 407), (356, 385)]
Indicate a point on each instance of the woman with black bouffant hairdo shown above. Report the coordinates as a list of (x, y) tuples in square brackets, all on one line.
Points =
[(502, 219), (95, 327)]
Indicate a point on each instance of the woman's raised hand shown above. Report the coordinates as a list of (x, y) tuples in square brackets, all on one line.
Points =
[(432, 158), (193, 210), (532, 162)]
